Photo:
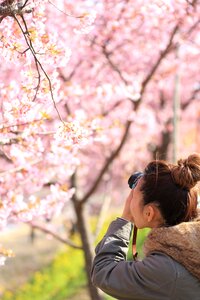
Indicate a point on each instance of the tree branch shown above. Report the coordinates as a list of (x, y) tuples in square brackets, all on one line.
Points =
[(136, 106), (152, 71), (25, 3), (160, 58), (162, 148), (20, 124), (54, 235), (73, 181), (194, 26), (5, 156), (193, 96), (192, 3), (107, 163), (115, 105), (69, 77), (112, 64), (10, 141)]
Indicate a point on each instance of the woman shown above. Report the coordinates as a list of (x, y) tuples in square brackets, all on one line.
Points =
[(164, 199)]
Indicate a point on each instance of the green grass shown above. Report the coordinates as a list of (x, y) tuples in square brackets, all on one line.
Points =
[(63, 277)]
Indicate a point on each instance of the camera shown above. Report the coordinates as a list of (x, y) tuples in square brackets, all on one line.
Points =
[(133, 179)]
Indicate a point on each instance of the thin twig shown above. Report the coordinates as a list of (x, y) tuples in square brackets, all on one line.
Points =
[(25, 3), (113, 65), (38, 64), (34, 54), (62, 11)]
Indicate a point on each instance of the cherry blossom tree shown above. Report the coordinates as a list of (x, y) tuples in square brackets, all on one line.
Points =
[(86, 97)]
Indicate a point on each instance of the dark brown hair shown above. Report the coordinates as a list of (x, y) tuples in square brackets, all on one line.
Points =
[(172, 187)]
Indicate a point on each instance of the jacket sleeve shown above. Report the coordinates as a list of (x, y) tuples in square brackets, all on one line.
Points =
[(150, 279)]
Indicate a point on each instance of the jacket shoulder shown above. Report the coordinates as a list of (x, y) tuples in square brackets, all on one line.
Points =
[(186, 286), (159, 266)]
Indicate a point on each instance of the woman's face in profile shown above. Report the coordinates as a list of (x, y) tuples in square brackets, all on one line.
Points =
[(137, 205), (148, 215)]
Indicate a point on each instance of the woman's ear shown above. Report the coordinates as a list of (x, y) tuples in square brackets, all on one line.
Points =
[(149, 212), (153, 215)]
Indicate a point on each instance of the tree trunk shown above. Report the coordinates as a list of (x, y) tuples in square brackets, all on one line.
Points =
[(82, 225), (161, 151)]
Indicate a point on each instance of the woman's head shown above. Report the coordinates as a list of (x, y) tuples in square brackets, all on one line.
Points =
[(172, 188)]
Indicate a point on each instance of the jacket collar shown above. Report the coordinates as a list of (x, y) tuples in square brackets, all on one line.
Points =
[(181, 242)]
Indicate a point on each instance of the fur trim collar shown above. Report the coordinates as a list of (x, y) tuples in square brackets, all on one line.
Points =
[(180, 242)]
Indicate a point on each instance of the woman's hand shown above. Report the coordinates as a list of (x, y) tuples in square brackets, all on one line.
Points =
[(126, 211)]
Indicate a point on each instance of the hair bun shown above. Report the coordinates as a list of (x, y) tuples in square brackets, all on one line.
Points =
[(187, 173)]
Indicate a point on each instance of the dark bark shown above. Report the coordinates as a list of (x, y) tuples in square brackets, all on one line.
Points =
[(161, 151), (82, 224)]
